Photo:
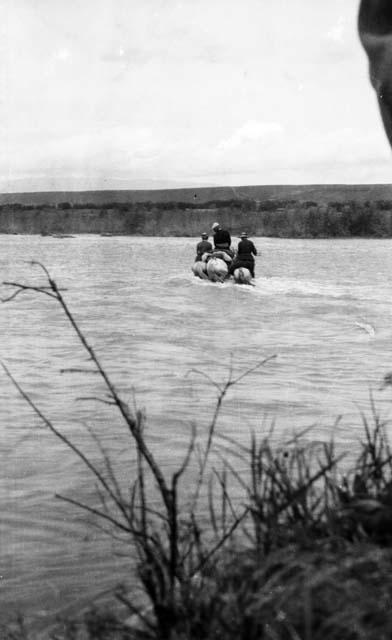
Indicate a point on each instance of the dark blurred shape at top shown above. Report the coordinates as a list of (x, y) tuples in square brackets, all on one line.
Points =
[(375, 31)]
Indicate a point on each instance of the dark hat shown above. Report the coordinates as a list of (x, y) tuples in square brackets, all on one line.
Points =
[(204, 235), (244, 234)]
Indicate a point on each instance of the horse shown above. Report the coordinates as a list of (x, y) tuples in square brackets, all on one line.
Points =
[(199, 269), (217, 269), (242, 275)]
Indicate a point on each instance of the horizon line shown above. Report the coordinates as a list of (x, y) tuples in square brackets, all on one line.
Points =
[(199, 188)]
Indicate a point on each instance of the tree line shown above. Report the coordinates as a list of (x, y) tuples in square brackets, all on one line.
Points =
[(273, 218)]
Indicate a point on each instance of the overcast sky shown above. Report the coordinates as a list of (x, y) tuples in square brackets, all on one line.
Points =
[(152, 93)]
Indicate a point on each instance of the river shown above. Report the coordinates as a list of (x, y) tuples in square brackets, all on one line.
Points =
[(323, 307)]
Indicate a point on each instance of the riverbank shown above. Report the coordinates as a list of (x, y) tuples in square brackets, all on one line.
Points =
[(270, 218)]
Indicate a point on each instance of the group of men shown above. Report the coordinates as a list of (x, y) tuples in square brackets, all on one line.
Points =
[(246, 250)]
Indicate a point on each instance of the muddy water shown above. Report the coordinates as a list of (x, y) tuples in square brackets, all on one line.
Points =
[(322, 306)]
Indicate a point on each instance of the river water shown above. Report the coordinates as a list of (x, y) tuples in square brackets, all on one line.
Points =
[(323, 307)]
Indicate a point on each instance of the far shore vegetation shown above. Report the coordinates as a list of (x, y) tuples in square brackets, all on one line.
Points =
[(244, 540), (283, 218)]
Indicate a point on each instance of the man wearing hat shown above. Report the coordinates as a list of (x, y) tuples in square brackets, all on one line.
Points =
[(245, 255), (203, 247), (222, 238)]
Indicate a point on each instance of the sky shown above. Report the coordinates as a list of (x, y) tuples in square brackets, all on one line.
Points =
[(124, 94)]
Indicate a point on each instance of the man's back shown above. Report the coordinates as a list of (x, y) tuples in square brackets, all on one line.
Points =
[(246, 248), (203, 247), (221, 237)]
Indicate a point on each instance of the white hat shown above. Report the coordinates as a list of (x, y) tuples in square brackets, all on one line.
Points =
[(215, 225)]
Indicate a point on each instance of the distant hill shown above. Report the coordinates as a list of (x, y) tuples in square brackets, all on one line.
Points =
[(323, 193)]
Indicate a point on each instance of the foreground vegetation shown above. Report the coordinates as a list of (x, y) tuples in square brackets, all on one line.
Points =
[(241, 541), (274, 218)]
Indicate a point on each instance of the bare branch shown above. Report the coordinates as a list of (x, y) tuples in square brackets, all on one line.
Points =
[(35, 263), (108, 464), (96, 399), (205, 375), (135, 610), (105, 516), (64, 439), (129, 419), (21, 288), (96, 512), (225, 494), (249, 371), (222, 540), (77, 370), (187, 458), (223, 389)]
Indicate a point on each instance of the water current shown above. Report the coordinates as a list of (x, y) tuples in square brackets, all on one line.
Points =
[(323, 307)]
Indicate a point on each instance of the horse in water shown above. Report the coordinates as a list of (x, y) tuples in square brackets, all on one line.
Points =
[(199, 269), (217, 269), (243, 276), (211, 267), (375, 32)]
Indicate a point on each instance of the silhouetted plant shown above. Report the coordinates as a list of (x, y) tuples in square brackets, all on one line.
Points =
[(302, 554), (168, 541)]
